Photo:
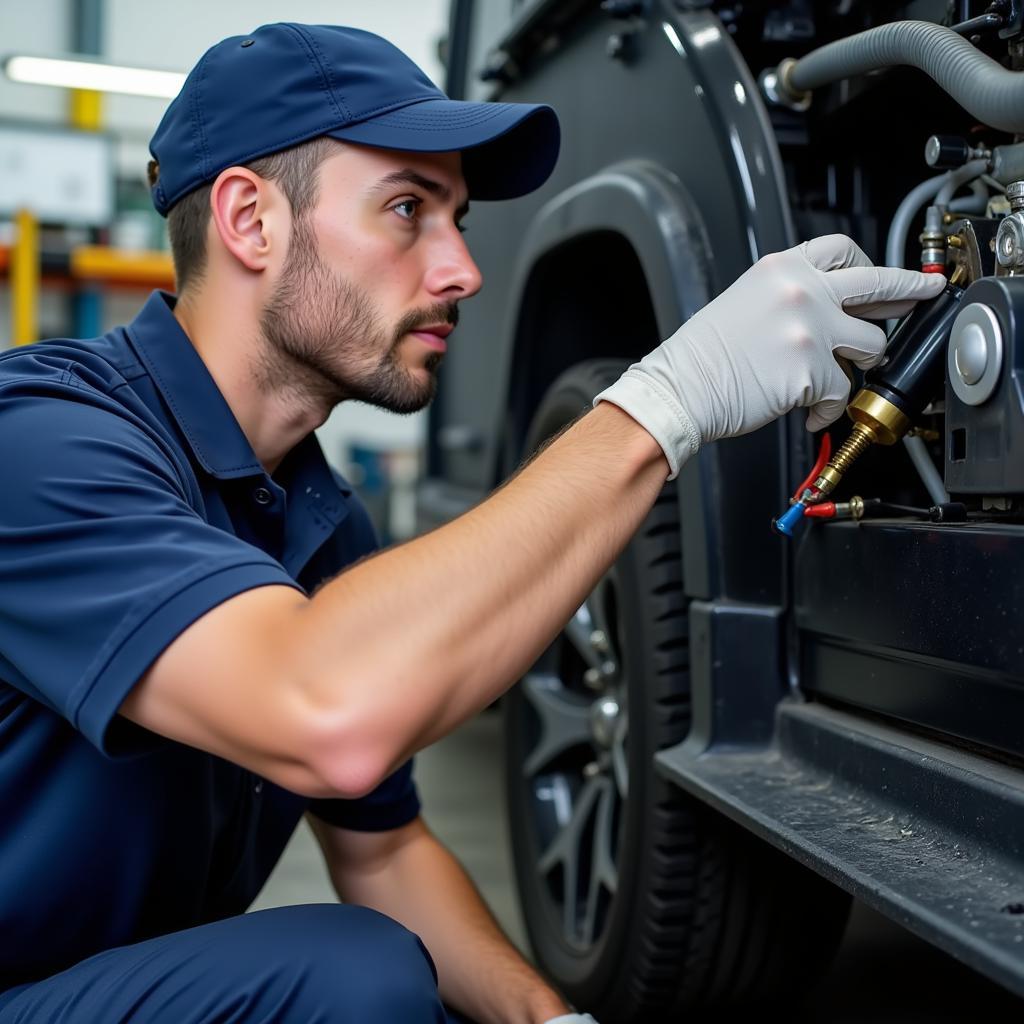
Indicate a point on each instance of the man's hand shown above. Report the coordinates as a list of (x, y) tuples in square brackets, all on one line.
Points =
[(768, 344)]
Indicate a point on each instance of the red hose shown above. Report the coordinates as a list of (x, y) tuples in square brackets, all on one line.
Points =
[(824, 453), (824, 510)]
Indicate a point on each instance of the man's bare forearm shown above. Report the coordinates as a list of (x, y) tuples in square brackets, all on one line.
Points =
[(408, 644), (421, 885)]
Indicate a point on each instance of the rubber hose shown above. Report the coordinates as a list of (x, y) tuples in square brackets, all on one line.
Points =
[(976, 202), (970, 170), (969, 204), (981, 86), (933, 483)]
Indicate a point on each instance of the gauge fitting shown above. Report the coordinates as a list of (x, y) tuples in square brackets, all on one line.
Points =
[(933, 242)]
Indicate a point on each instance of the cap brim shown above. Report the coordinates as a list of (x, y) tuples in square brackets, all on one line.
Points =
[(508, 149)]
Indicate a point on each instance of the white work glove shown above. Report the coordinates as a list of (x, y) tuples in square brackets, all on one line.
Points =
[(768, 344), (572, 1018)]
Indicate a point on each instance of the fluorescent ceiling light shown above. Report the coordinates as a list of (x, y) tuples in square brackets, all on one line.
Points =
[(83, 74)]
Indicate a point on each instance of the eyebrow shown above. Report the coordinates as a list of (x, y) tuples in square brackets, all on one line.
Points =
[(407, 176)]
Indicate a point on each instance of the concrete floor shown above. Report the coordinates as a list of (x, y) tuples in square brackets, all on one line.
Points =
[(882, 974)]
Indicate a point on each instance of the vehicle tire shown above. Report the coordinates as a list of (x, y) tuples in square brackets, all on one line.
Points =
[(639, 901)]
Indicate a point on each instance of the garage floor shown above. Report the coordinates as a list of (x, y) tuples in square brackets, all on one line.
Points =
[(883, 974)]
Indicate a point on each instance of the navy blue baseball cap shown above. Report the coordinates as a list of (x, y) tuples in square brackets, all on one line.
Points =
[(286, 83)]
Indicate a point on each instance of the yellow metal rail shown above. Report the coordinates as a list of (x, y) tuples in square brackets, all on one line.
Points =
[(25, 271), (117, 266)]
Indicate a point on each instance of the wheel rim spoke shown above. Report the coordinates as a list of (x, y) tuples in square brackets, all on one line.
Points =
[(577, 770), (603, 873), (564, 721), (566, 850)]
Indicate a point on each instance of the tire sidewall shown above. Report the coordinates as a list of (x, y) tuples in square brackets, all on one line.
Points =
[(590, 977)]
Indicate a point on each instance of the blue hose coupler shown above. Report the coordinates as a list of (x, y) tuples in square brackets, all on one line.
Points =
[(784, 524)]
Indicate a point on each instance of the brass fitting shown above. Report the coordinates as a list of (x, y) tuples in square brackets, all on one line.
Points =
[(875, 421)]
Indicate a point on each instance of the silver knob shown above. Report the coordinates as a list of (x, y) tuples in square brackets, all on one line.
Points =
[(1015, 194), (1010, 240), (975, 357), (971, 354)]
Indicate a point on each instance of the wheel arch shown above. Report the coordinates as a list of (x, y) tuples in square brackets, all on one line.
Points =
[(607, 268)]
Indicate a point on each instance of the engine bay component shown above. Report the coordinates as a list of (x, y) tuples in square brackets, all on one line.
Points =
[(897, 392), (933, 242), (981, 85), (975, 354), (1010, 237), (984, 402), (944, 152)]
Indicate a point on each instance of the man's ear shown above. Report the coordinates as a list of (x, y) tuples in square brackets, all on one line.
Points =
[(246, 214)]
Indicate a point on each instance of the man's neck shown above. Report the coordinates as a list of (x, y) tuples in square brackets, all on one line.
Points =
[(273, 416)]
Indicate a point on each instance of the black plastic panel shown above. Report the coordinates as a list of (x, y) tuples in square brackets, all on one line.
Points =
[(918, 622)]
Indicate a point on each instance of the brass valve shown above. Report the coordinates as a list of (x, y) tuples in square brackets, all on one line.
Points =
[(875, 421)]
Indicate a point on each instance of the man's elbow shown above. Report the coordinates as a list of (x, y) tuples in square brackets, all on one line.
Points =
[(345, 756)]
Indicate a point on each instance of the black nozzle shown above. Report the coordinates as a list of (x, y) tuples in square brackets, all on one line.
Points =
[(914, 371)]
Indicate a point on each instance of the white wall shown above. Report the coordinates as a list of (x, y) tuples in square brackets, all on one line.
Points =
[(144, 33)]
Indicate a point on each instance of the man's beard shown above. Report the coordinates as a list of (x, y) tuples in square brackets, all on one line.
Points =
[(324, 338)]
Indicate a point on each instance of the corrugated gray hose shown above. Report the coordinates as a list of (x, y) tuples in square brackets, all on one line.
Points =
[(980, 85)]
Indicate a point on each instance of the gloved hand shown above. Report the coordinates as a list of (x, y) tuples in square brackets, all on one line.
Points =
[(768, 344), (572, 1018)]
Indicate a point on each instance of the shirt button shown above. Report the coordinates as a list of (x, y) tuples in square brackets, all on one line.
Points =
[(258, 786), (262, 496)]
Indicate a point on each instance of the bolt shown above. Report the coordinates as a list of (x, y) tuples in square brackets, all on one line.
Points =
[(599, 641), (591, 770), (593, 679), (616, 46)]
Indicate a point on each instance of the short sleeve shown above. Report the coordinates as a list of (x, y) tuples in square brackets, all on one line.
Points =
[(395, 802), (103, 559)]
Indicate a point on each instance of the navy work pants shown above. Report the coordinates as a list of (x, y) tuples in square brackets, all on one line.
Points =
[(316, 964)]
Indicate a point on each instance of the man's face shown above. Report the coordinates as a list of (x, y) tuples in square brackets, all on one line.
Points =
[(373, 274)]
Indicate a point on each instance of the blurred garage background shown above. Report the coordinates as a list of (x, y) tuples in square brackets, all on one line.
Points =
[(80, 248)]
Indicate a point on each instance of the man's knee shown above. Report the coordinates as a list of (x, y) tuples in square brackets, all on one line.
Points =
[(340, 963)]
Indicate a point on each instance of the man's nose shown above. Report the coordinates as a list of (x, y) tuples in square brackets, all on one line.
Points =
[(453, 273)]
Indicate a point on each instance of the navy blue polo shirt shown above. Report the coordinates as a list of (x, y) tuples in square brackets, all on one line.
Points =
[(131, 503)]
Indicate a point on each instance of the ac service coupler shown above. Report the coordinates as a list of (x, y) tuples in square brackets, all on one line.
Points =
[(893, 396)]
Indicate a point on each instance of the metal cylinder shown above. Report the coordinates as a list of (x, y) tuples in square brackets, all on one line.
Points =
[(914, 371)]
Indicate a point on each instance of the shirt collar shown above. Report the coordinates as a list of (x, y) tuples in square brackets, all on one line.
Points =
[(205, 418), (191, 394)]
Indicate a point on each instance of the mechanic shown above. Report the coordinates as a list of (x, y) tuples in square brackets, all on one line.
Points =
[(185, 668)]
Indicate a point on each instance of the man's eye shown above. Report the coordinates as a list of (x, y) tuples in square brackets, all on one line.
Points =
[(406, 209)]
